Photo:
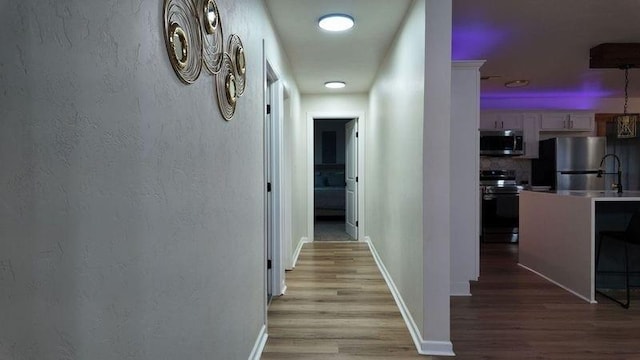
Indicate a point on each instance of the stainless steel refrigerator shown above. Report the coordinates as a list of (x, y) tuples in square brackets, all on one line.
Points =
[(569, 163)]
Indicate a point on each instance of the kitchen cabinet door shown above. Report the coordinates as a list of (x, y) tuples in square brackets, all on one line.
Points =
[(566, 122), (582, 122), (554, 122), (488, 121), (501, 121)]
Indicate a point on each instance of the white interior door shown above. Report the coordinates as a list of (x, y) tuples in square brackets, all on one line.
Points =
[(351, 178), (274, 169), (269, 194)]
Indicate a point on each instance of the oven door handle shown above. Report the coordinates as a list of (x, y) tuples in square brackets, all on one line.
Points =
[(498, 196)]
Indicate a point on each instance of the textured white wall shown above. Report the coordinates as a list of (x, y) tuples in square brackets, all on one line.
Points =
[(334, 103), (436, 170), (131, 213), (394, 161)]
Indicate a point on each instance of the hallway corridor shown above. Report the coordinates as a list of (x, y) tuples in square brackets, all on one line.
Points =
[(330, 230), (337, 306)]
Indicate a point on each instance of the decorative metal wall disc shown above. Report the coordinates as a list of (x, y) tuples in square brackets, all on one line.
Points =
[(212, 37), (183, 39), (227, 88), (238, 58)]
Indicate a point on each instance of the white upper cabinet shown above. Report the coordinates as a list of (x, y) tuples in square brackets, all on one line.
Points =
[(501, 121), (584, 121), (567, 122), (538, 124)]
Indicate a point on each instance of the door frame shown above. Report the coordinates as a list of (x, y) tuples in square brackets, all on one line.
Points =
[(276, 167), (358, 116)]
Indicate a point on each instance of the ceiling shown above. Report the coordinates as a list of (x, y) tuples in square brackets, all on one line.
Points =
[(544, 41), (318, 56)]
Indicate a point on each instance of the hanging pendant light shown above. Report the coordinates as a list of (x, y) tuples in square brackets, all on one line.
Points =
[(626, 123)]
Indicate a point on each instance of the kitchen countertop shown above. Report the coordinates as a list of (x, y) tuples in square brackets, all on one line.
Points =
[(611, 195)]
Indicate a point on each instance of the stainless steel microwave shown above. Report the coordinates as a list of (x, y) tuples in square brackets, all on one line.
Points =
[(501, 143)]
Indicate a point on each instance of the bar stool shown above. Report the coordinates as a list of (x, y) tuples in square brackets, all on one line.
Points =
[(630, 236)]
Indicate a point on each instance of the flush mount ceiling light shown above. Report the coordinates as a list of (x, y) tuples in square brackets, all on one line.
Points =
[(336, 22), (335, 84), (516, 83), (626, 123)]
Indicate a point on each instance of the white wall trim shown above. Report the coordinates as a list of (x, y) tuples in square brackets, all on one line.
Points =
[(558, 284), (261, 341), (296, 253), (460, 288), (424, 347), (441, 348)]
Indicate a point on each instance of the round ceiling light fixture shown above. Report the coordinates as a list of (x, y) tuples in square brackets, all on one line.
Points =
[(335, 84), (516, 83), (336, 22)]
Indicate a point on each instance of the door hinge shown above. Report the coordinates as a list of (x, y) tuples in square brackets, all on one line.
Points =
[(356, 134), (268, 109), (356, 179), (268, 187), (356, 223), (268, 264)]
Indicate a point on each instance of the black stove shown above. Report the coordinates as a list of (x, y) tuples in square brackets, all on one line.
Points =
[(499, 179), (499, 206)]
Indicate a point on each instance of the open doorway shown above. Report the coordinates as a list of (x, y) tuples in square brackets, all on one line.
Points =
[(334, 185)]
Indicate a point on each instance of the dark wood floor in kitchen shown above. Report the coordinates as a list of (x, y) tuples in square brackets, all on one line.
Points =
[(338, 307), (514, 314)]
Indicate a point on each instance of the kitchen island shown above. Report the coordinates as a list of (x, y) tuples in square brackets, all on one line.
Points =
[(558, 233)]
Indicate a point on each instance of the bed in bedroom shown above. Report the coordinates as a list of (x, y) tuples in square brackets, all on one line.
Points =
[(329, 190)]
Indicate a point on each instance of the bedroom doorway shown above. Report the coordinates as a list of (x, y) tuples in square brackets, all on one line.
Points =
[(334, 191)]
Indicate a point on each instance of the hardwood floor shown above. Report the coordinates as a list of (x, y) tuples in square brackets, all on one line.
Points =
[(513, 313), (338, 307)]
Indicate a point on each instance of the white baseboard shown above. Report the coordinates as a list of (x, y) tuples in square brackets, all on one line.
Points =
[(558, 284), (261, 341), (296, 253), (440, 348), (443, 348), (460, 288)]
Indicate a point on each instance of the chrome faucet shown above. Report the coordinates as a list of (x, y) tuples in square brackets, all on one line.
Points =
[(619, 172)]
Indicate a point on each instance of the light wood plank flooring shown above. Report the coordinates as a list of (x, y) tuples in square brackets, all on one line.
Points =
[(337, 306)]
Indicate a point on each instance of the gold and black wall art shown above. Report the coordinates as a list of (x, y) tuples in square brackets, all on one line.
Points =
[(195, 39)]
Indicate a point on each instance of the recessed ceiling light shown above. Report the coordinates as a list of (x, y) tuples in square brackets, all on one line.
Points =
[(335, 84), (336, 22), (516, 83)]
